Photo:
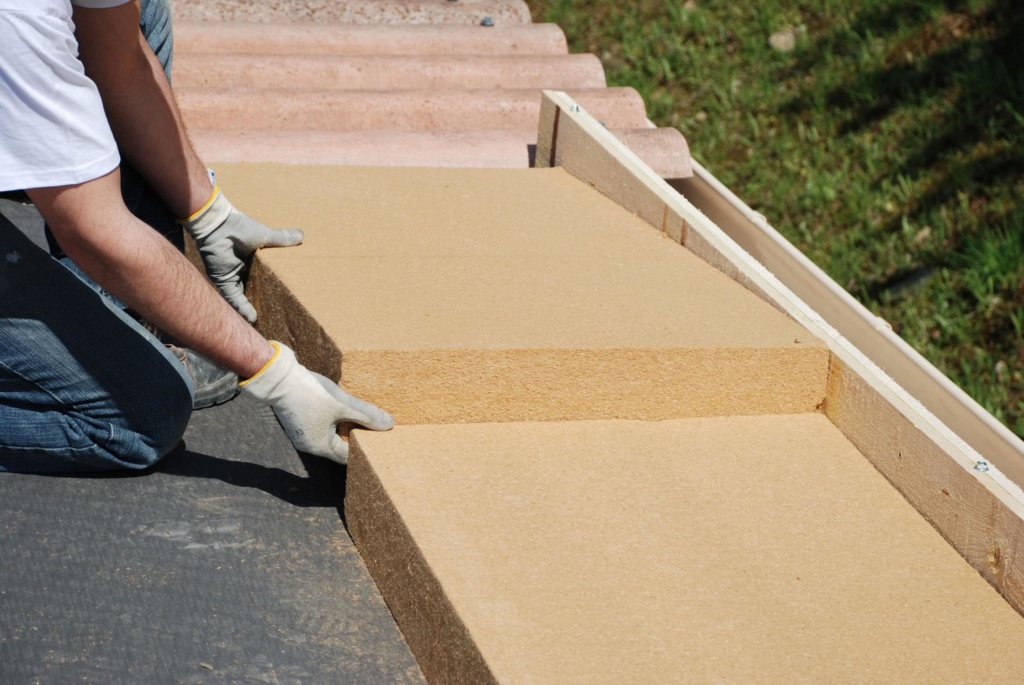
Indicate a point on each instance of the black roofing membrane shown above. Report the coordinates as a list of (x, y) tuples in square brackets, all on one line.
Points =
[(226, 563)]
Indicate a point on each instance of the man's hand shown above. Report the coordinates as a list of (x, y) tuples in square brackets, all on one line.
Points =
[(310, 406), (227, 239), (137, 265)]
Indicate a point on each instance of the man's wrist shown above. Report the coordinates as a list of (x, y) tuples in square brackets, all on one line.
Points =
[(203, 208), (275, 353)]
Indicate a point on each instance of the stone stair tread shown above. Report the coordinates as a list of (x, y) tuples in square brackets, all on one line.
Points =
[(664, 150), (485, 149), (387, 72), (355, 11), (249, 84), (319, 109), (366, 39)]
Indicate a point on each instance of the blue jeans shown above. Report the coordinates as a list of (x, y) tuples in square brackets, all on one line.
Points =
[(155, 22), (83, 387)]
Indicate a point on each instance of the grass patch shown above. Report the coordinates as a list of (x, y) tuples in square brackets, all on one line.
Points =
[(887, 144)]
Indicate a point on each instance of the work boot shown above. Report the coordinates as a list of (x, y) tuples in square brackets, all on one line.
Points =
[(213, 383)]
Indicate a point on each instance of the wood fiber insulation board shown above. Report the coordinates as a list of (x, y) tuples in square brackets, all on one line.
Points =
[(457, 295), (969, 506), (735, 549), (978, 508), (871, 334)]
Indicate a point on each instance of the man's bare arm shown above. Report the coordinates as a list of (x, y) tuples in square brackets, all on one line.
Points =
[(140, 267), (136, 264), (140, 106), (151, 136)]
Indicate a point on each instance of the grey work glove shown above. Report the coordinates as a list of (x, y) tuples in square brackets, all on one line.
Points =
[(310, 406), (227, 239)]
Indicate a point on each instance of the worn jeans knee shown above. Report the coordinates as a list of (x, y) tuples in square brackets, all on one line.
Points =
[(82, 386)]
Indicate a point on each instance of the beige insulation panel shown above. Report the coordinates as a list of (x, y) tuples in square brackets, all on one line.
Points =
[(737, 549), (974, 506), (456, 296), (678, 509)]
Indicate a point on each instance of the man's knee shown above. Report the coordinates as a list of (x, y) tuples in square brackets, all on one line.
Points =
[(152, 430), (83, 441), (140, 430)]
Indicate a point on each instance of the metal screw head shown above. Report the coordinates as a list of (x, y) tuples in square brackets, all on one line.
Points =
[(487, 21), (981, 466), (574, 108)]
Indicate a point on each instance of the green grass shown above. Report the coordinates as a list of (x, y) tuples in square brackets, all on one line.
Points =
[(888, 146)]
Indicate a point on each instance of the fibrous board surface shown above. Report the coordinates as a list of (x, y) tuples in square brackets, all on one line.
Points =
[(502, 295), (735, 549)]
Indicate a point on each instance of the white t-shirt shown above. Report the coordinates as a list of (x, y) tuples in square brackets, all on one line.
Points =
[(53, 130)]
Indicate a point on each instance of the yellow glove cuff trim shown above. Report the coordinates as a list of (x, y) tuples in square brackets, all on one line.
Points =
[(277, 353), (198, 212)]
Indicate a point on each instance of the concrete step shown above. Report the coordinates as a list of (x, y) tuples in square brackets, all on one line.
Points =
[(355, 11), (408, 110), (662, 149), (475, 295), (387, 72), (414, 94), (494, 149), (684, 551), (362, 39)]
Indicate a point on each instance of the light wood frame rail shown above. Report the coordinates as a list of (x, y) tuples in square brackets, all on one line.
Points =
[(975, 507)]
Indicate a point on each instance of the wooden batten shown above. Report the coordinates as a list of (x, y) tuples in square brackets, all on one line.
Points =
[(972, 504), (974, 512), (869, 333), (570, 138)]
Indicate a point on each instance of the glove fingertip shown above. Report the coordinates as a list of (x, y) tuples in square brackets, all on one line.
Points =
[(284, 237), (339, 449), (241, 305), (384, 423), (373, 417), (247, 311)]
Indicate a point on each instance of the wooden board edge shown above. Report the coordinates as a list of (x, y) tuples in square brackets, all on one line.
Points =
[(289, 322), (436, 635), (869, 333), (532, 385), (984, 520), (966, 500)]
